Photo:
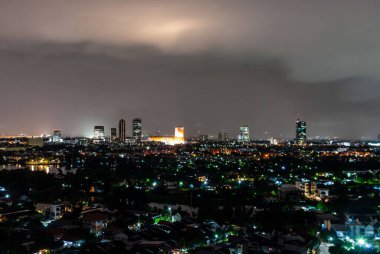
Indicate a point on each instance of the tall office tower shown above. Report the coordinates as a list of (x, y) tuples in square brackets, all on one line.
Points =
[(225, 136), (300, 132), (244, 134), (220, 136), (203, 138), (137, 129), (113, 134), (57, 136), (122, 130), (99, 133)]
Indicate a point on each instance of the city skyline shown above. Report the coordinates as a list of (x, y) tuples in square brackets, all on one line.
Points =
[(209, 68), (134, 129)]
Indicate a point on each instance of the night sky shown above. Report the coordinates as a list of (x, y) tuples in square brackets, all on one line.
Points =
[(209, 66)]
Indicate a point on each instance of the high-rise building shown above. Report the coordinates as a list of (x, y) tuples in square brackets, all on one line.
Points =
[(122, 130), (273, 141), (300, 132), (244, 134), (203, 137), (222, 136), (137, 129), (57, 136), (98, 133), (113, 134)]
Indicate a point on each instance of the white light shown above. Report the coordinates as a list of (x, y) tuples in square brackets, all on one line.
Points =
[(361, 241)]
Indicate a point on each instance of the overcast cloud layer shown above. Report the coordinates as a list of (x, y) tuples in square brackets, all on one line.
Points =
[(207, 65)]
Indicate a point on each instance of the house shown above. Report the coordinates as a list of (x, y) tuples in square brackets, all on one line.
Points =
[(326, 220), (369, 231), (95, 222), (176, 217), (341, 230), (322, 193), (52, 211), (362, 225), (289, 192)]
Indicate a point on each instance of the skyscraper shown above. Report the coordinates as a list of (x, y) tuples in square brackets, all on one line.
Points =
[(122, 130), (225, 136), (113, 134), (57, 136), (98, 133), (137, 129), (244, 134), (300, 132), (222, 136)]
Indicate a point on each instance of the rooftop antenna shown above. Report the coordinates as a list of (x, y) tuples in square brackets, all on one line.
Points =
[(298, 117)]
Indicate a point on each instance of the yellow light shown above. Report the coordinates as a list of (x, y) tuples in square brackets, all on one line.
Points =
[(179, 132)]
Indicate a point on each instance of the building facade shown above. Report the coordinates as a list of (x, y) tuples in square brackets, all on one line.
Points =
[(300, 132), (57, 136), (137, 129), (113, 134), (122, 130), (244, 134), (98, 134)]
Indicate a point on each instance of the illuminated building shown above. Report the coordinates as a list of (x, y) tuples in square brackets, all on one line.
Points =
[(178, 138), (57, 136), (300, 132), (113, 134), (53, 211), (122, 130), (273, 141), (137, 129), (179, 132), (98, 134), (244, 134)]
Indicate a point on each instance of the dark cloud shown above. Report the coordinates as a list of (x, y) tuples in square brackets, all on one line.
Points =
[(207, 66)]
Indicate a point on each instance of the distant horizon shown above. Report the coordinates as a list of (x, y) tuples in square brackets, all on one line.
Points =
[(232, 135)]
